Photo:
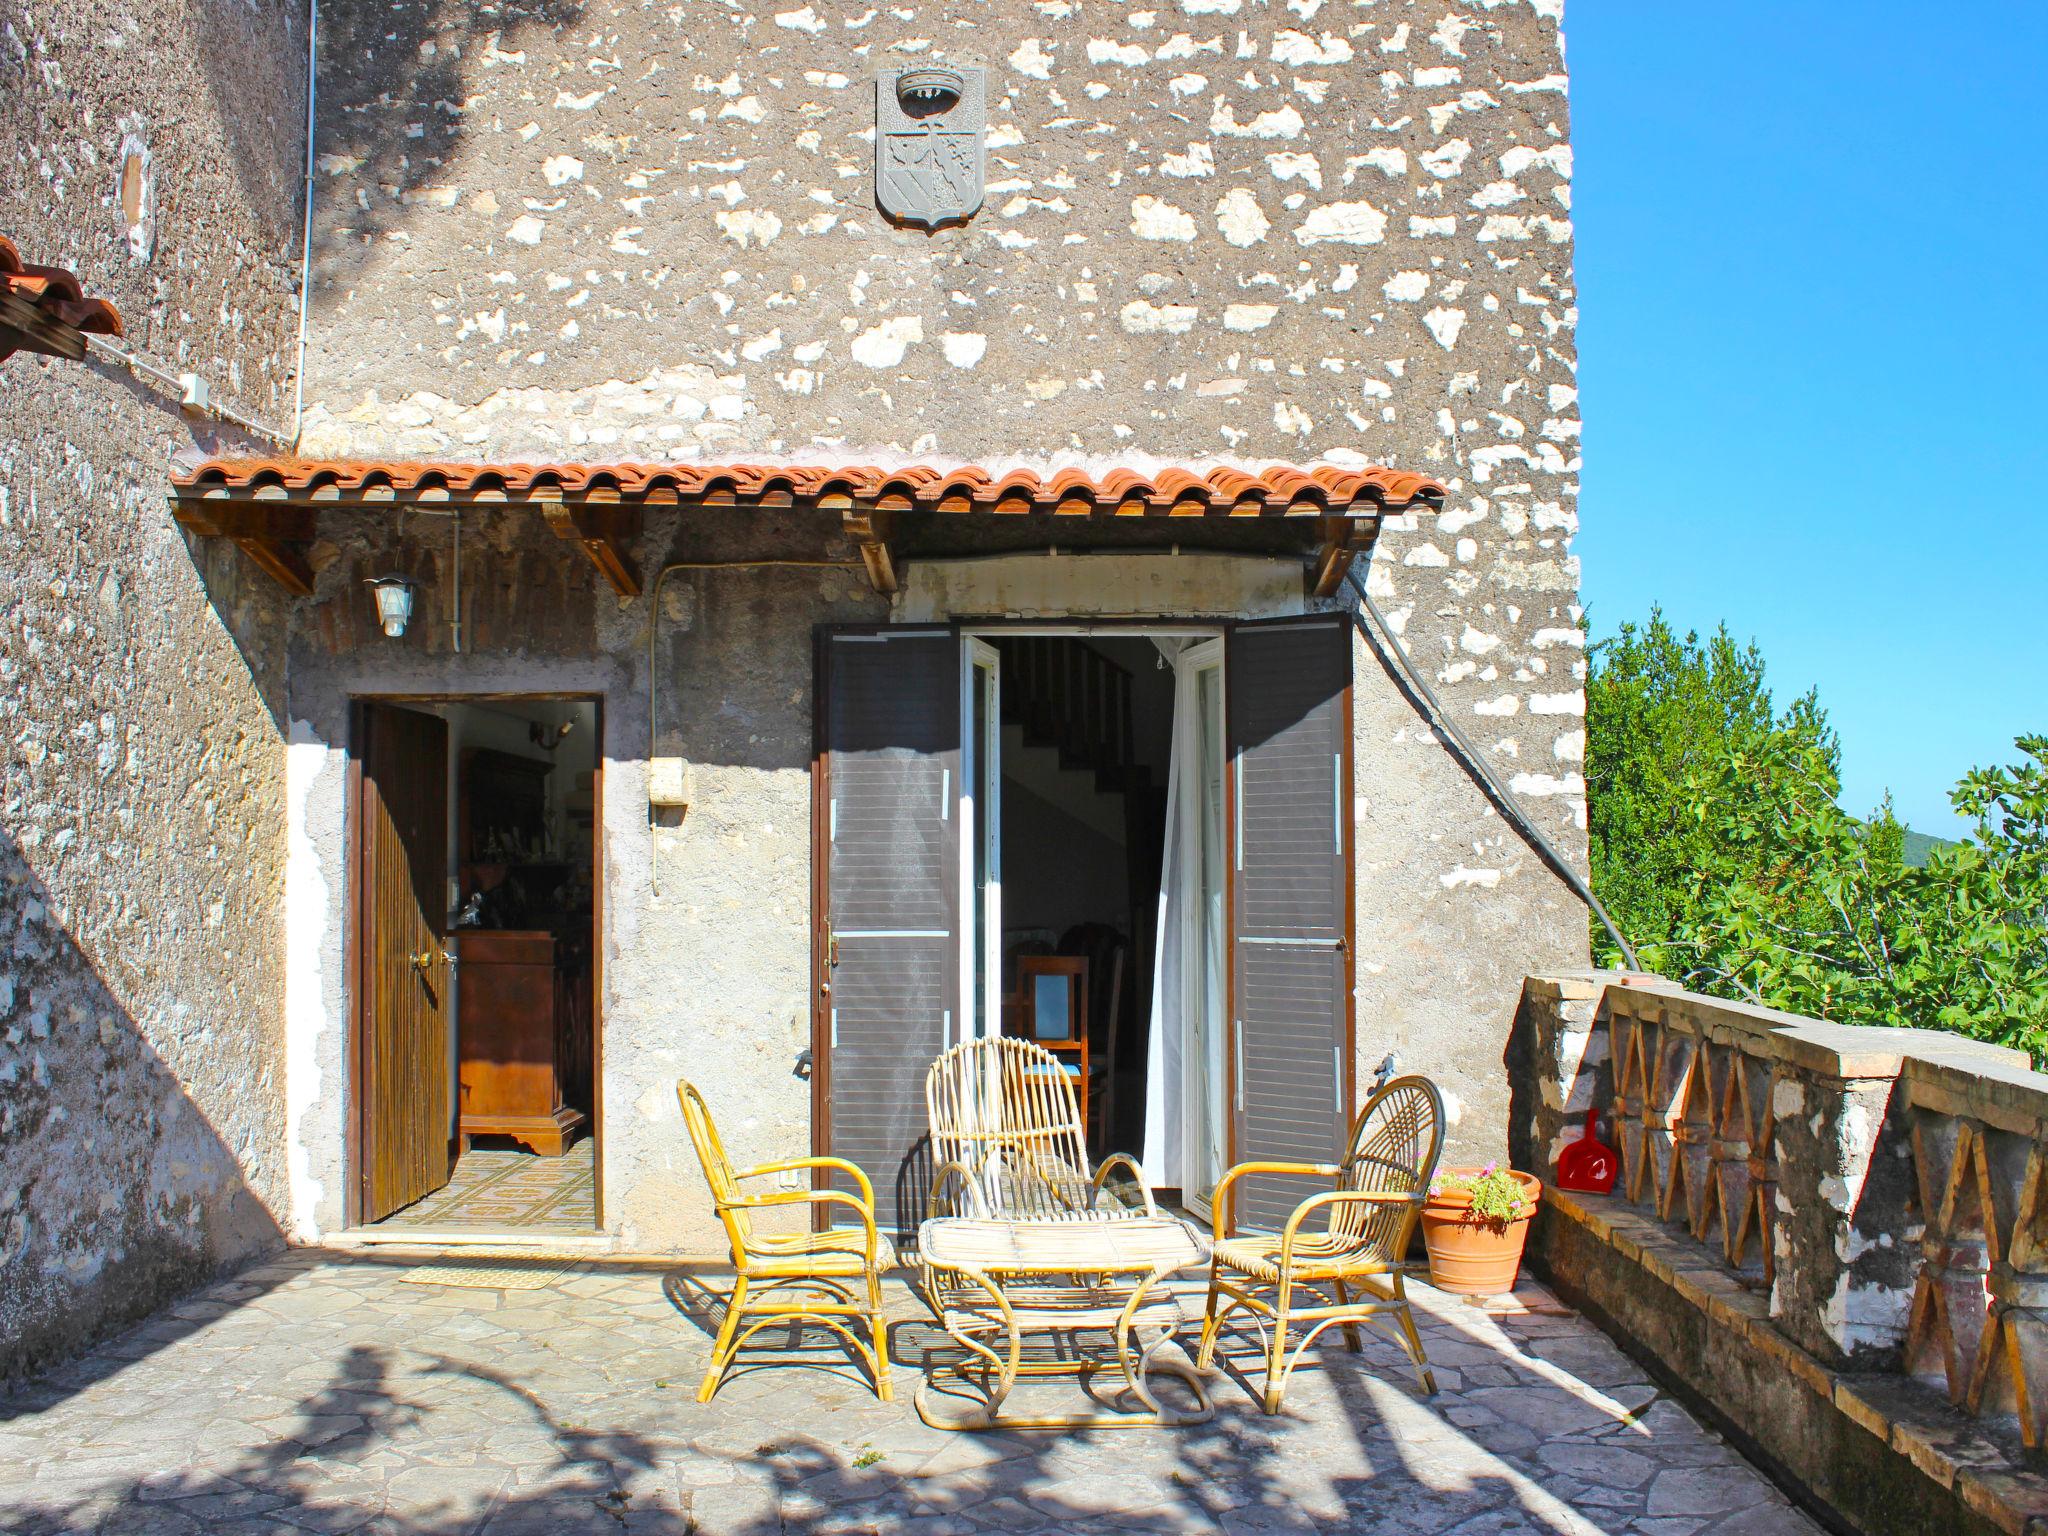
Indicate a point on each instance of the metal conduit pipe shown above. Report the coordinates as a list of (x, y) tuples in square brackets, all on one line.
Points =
[(306, 234), (195, 395), (1388, 645)]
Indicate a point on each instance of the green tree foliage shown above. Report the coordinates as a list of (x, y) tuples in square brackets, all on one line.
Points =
[(1720, 848)]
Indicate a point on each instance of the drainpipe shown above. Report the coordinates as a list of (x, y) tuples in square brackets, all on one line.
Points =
[(1503, 797), (306, 237)]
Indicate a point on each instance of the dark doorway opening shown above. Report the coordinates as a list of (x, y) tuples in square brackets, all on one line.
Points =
[(1086, 748), (477, 925)]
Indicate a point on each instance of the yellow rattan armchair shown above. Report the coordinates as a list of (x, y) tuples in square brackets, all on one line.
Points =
[(799, 1277), (1353, 1236)]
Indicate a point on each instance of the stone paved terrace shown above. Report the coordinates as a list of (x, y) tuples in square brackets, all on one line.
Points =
[(320, 1392)]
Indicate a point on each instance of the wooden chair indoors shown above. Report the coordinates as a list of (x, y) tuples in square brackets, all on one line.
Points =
[(818, 1267), (1052, 1011), (1355, 1235), (1008, 1141)]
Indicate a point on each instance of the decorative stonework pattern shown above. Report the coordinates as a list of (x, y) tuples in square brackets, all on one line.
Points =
[(1979, 1321), (1694, 1124), (1886, 1189)]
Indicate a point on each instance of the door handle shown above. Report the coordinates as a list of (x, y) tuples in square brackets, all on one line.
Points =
[(422, 961)]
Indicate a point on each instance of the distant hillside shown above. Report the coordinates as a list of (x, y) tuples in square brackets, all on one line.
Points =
[(1920, 844)]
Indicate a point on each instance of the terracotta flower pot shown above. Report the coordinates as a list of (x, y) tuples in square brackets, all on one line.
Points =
[(1470, 1257)]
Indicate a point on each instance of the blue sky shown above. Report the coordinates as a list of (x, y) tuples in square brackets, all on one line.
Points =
[(1813, 291)]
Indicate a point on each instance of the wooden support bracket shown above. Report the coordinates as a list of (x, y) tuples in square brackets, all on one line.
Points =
[(273, 536), (602, 531), (28, 327), (1343, 538), (870, 532)]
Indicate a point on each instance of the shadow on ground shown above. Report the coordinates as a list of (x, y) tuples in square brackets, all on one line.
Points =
[(339, 1397)]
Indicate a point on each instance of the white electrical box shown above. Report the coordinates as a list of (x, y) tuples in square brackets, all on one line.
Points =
[(667, 784)]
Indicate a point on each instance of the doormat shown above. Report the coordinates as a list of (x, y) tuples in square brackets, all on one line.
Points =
[(493, 1272)]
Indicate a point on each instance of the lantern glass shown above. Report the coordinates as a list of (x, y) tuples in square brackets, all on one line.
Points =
[(394, 603)]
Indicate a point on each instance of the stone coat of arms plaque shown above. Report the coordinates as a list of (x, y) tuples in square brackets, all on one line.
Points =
[(928, 143)]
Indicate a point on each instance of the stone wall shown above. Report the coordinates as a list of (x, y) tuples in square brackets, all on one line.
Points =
[(1221, 229), (141, 775), (1822, 1233)]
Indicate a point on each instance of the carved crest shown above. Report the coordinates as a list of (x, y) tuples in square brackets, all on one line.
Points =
[(928, 143)]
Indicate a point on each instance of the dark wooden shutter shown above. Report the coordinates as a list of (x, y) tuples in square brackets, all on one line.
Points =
[(889, 781), (1288, 705), (402, 877)]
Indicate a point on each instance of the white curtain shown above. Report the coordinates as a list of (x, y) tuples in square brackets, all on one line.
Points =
[(1166, 1067)]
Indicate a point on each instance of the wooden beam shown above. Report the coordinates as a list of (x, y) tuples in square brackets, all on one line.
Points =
[(870, 533), (29, 327), (601, 531), (272, 534), (291, 521), (1343, 538), (283, 562)]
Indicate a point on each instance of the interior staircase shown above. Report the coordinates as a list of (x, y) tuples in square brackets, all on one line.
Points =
[(1067, 695), (1063, 697)]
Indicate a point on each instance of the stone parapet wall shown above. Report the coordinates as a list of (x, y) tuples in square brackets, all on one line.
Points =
[(1869, 1198)]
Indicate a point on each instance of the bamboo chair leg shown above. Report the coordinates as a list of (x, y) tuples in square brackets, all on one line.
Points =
[(1408, 1331), (1276, 1356), (722, 1350), (1205, 1356), (1351, 1325), (878, 1332)]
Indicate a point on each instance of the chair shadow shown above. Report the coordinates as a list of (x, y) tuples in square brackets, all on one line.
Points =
[(796, 1344)]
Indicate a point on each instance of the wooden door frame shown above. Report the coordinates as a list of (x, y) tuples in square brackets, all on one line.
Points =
[(355, 950)]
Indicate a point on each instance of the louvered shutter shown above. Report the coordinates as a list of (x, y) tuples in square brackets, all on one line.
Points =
[(890, 782), (1288, 708)]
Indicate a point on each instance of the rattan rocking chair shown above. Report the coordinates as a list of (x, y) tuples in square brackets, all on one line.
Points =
[(1008, 1141), (818, 1267), (1355, 1235)]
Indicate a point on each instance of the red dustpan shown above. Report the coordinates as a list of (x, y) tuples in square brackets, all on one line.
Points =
[(1588, 1164)]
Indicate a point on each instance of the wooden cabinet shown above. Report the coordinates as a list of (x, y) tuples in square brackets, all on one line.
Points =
[(523, 1017)]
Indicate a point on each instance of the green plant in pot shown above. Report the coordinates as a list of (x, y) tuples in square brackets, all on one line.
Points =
[(1474, 1224)]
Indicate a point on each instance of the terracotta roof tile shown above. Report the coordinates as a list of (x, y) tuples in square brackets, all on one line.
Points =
[(57, 293), (1278, 489)]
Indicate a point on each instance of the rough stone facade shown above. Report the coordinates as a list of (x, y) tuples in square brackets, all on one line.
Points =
[(1214, 230), (1218, 230), (141, 772)]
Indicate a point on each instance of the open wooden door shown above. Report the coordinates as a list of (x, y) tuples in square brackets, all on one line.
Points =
[(402, 1079), (1288, 713), (887, 790)]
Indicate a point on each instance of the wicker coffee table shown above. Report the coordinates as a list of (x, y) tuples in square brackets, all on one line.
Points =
[(991, 1282)]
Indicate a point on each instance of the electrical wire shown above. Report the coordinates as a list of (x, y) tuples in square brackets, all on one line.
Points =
[(1388, 644), (188, 386), (306, 235)]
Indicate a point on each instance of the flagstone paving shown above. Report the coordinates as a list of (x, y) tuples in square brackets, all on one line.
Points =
[(321, 1393)]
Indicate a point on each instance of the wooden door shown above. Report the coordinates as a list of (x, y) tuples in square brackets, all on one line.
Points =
[(1288, 723), (403, 1070), (888, 939)]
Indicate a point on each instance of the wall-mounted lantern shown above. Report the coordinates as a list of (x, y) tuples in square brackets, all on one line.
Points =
[(394, 602), (928, 143)]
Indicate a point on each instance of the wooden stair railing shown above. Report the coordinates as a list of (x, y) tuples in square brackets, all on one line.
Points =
[(1070, 696)]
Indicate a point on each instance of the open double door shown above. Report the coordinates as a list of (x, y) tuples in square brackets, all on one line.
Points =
[(902, 838)]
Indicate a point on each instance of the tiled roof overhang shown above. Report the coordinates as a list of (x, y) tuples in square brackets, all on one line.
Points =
[(267, 506), (43, 309)]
